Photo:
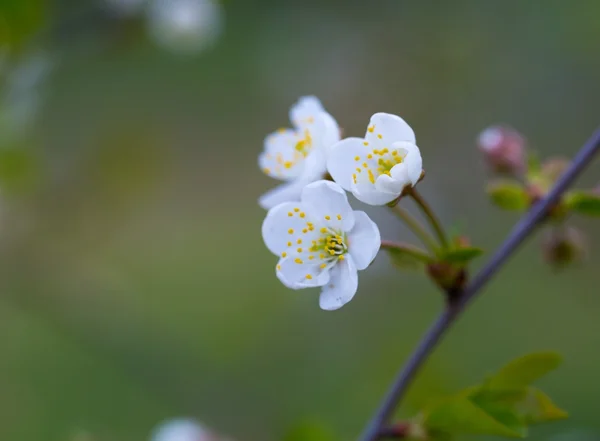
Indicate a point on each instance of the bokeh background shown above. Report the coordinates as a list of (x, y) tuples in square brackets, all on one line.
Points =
[(134, 284)]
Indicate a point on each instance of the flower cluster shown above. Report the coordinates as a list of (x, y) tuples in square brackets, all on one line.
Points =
[(310, 225)]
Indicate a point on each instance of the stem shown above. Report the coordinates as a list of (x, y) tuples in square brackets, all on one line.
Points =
[(433, 219), (435, 333), (408, 249), (416, 228)]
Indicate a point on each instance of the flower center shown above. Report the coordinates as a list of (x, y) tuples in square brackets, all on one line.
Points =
[(376, 163), (387, 162), (304, 145), (331, 244)]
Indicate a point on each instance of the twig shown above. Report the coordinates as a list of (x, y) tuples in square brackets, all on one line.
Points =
[(519, 233), (416, 227)]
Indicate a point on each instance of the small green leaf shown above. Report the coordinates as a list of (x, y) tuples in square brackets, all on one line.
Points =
[(509, 195), (537, 407), (408, 257), (462, 256), (584, 202), (524, 370), (459, 415)]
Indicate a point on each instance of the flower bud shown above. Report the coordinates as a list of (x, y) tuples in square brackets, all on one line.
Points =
[(564, 246), (503, 149)]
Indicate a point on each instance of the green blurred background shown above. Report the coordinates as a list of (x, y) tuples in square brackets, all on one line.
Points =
[(134, 283)]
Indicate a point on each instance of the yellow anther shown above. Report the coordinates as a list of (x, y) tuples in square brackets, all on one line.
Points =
[(395, 152), (365, 165), (308, 276), (371, 177), (371, 129), (291, 231), (366, 143), (281, 130), (298, 260), (311, 228), (290, 214), (376, 151), (289, 244), (299, 250), (311, 257), (323, 265), (302, 215), (288, 164), (341, 257), (296, 210), (339, 217), (323, 230), (354, 178), (321, 256), (357, 158), (332, 252), (358, 170), (369, 156), (284, 254), (278, 267), (305, 230), (299, 241), (385, 150), (267, 170), (328, 217), (380, 136)]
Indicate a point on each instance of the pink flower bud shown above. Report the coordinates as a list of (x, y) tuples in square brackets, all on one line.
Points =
[(503, 149)]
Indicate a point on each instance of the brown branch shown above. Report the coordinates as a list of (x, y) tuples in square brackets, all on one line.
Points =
[(520, 232)]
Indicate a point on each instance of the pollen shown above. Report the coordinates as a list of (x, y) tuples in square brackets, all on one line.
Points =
[(366, 143), (298, 260), (369, 156), (339, 217), (284, 254), (308, 276), (299, 241), (380, 136), (321, 256), (290, 214), (323, 230), (371, 129), (365, 165), (358, 170), (328, 217), (341, 257), (289, 244), (371, 177), (311, 257), (288, 164), (354, 178), (356, 158), (305, 230), (299, 250), (323, 266), (278, 267), (296, 210), (395, 152), (291, 231), (302, 215)]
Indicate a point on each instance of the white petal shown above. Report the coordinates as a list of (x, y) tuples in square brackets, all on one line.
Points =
[(284, 225), (387, 128), (325, 132), (392, 184), (305, 110), (301, 275), (364, 240), (412, 160), (342, 163), (342, 285), (280, 158), (315, 166), (327, 203), (369, 194), (288, 192)]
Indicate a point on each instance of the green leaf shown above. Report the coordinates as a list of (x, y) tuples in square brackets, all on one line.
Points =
[(509, 195), (459, 415), (584, 202), (462, 256), (408, 257), (524, 370), (537, 407)]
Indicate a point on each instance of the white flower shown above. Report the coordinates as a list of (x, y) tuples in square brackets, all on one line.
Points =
[(298, 155), (321, 242), (180, 430), (185, 26), (377, 168)]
